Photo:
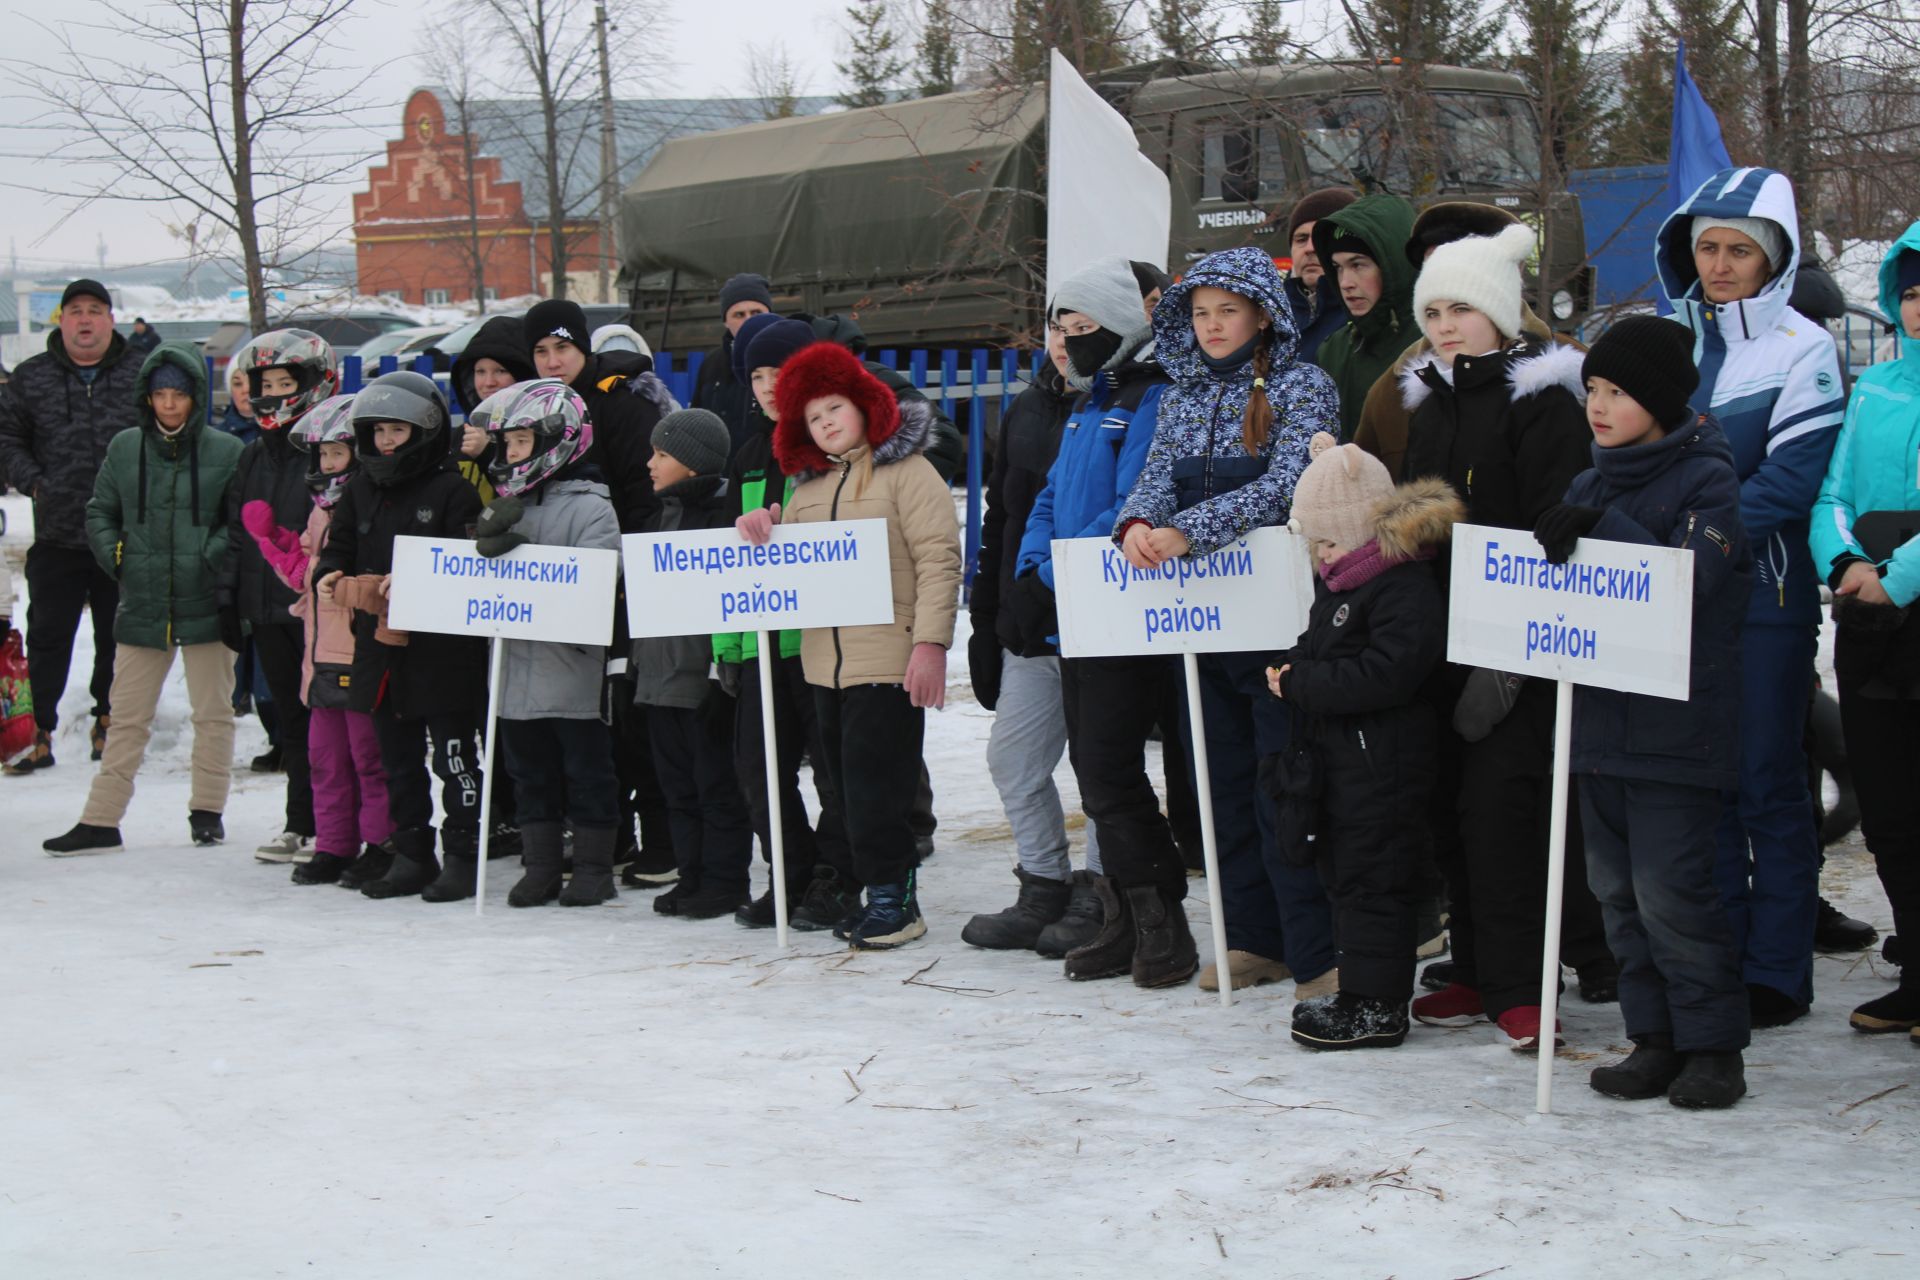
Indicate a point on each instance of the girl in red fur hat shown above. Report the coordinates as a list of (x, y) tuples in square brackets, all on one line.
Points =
[(855, 454)]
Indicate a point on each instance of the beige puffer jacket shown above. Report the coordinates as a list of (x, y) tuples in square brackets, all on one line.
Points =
[(923, 540)]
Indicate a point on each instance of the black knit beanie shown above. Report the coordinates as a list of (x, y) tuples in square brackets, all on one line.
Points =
[(745, 287), (1651, 359), (556, 318)]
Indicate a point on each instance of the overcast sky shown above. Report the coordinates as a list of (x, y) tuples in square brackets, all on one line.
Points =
[(705, 41)]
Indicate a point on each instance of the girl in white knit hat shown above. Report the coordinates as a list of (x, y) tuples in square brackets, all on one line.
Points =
[(1498, 416)]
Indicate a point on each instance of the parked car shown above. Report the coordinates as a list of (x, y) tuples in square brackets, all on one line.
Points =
[(403, 344)]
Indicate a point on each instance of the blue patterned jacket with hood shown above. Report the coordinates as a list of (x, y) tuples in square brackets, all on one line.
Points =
[(1198, 477)]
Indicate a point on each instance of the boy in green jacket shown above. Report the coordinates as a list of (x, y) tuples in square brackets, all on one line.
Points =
[(157, 523)]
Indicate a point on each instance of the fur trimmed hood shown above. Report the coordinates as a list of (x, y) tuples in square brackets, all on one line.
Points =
[(1416, 516), (819, 370), (1531, 368)]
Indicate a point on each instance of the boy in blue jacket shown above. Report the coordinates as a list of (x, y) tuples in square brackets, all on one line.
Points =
[(1653, 770)]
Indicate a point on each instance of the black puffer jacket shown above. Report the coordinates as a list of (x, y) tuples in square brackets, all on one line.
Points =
[(1023, 454), (718, 391), (1507, 432), (272, 471), (431, 674), (623, 424), (1360, 676), (54, 431)]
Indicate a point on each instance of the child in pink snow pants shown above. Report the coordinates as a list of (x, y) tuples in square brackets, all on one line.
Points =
[(349, 782)]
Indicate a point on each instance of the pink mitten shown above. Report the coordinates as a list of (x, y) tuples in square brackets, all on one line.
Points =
[(280, 548)]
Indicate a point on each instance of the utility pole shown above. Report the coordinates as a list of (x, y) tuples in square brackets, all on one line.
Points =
[(609, 161)]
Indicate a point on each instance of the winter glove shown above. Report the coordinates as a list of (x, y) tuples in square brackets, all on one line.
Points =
[(1485, 701), (1035, 615), (280, 548), (730, 674), (1559, 527), (983, 663), (232, 633), (495, 532)]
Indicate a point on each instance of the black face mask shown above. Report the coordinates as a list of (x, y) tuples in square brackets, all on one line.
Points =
[(1088, 353), (1237, 357)]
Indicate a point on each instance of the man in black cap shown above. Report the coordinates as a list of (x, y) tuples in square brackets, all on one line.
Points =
[(56, 416), (741, 298)]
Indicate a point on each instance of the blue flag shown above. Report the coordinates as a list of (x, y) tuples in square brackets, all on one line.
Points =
[(1696, 152)]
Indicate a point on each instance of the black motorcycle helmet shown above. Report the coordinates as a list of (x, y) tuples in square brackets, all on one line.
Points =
[(407, 397)]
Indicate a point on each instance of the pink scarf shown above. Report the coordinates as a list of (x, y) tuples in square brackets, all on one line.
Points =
[(1362, 565)]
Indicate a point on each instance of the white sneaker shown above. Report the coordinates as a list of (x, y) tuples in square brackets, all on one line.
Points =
[(285, 847)]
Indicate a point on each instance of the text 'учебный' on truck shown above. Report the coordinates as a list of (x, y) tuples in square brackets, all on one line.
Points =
[(926, 219)]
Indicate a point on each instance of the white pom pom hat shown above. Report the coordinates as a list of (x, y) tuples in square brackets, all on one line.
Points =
[(1481, 271)]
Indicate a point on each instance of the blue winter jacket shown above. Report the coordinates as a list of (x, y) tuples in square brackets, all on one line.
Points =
[(1679, 491), (1102, 448), (1772, 378), (1316, 316), (1198, 476), (1876, 462)]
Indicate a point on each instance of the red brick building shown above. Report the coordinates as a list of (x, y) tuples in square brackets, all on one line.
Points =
[(417, 231)]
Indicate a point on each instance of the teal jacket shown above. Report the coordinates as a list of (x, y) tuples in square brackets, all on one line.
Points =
[(158, 517), (1877, 455)]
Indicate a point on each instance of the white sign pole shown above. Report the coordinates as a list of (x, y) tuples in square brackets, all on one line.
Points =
[(1556, 889), (776, 832), (1209, 844), (491, 730)]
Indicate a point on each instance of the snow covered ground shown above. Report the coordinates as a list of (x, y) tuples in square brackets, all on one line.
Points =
[(209, 1072)]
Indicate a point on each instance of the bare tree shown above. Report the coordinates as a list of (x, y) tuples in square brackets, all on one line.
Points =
[(233, 109), (551, 48)]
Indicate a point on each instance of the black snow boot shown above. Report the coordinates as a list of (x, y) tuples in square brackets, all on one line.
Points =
[(413, 867), (368, 867), (1018, 928), (758, 914), (592, 882), (711, 901), (1769, 1007), (1647, 1072), (1898, 1010), (1711, 1080), (206, 827), (1346, 1020), (1078, 925), (84, 839), (1836, 932), (1600, 981), (1164, 954), (1438, 976), (1110, 953), (322, 868), (827, 903), (459, 864), (539, 883)]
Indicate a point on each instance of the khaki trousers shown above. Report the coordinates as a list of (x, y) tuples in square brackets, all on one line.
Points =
[(138, 675)]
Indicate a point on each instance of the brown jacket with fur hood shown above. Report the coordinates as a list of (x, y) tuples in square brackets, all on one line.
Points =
[(885, 478)]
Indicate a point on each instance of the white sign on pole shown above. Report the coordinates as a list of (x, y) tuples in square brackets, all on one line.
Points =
[(561, 595), (823, 574), (1104, 198), (1618, 614), (1253, 594)]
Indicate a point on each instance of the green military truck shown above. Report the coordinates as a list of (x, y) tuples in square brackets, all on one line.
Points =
[(926, 219)]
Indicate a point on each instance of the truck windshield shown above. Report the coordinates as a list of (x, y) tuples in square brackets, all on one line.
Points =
[(1477, 141)]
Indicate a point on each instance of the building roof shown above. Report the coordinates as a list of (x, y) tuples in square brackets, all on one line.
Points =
[(510, 130)]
